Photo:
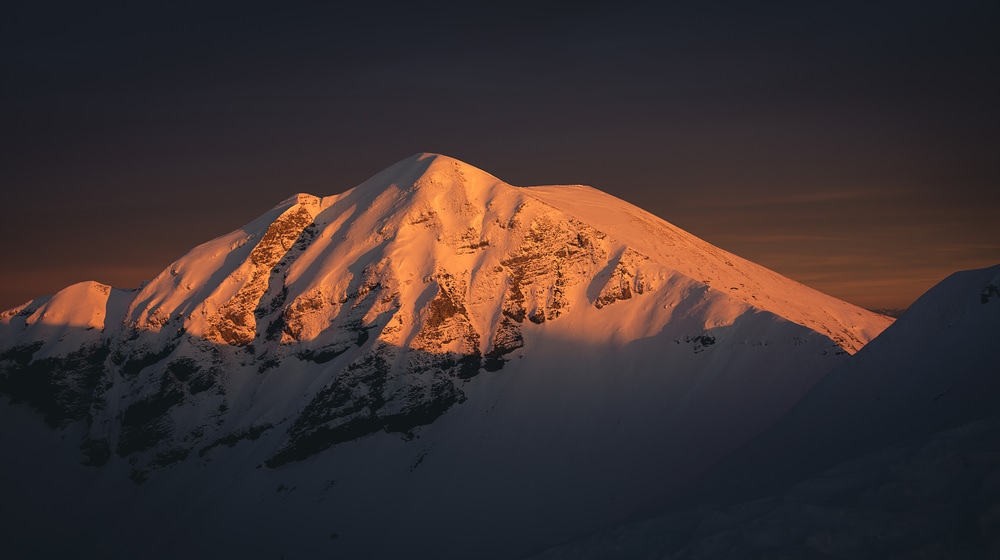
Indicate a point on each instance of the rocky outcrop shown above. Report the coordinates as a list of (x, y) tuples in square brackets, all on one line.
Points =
[(552, 256), (63, 388), (624, 280), (236, 321)]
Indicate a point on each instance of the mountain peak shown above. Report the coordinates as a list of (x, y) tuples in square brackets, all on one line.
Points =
[(436, 162), (429, 171)]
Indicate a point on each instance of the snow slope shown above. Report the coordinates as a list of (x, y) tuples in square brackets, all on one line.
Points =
[(937, 367), (894, 454), (721, 270), (434, 353)]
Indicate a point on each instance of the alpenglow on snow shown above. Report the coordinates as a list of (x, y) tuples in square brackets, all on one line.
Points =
[(432, 340)]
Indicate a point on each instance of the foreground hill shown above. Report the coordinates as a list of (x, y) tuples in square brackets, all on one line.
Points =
[(894, 454)]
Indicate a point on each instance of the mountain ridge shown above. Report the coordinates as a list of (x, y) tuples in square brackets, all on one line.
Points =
[(427, 175)]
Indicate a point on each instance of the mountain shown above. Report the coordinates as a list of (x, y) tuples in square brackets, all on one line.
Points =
[(893, 454), (468, 366)]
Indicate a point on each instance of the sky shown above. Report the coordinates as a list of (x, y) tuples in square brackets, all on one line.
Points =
[(851, 146)]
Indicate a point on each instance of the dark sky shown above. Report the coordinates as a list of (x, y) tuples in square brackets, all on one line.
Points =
[(852, 146)]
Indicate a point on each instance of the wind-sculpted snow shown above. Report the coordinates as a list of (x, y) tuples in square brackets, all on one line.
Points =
[(452, 321)]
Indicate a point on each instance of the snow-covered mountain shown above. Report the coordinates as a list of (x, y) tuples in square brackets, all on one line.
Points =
[(894, 454), (433, 355)]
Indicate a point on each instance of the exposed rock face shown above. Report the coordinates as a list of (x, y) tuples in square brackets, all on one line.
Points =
[(552, 257), (61, 387), (624, 280), (330, 319), (236, 322)]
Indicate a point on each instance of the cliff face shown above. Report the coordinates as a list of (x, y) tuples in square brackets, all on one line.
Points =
[(382, 309)]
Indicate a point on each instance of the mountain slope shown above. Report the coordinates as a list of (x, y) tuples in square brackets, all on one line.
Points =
[(430, 335), (723, 271), (892, 454), (934, 369)]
